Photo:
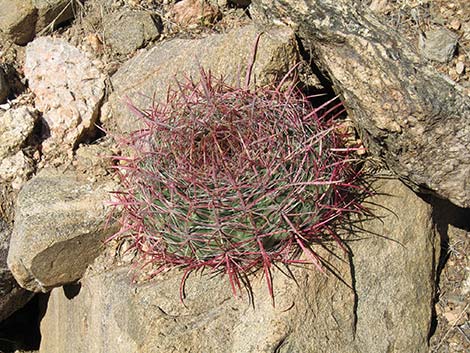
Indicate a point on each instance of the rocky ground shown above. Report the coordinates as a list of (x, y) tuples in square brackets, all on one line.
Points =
[(440, 28), (100, 46)]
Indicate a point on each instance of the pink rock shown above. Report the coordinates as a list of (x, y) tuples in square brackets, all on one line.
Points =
[(68, 89)]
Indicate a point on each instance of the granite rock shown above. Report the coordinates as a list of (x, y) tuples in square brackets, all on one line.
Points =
[(68, 91), (58, 231), (127, 31), (153, 71), (379, 300)]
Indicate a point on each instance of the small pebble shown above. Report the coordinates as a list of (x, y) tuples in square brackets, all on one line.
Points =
[(460, 68), (455, 317), (455, 24), (94, 42), (453, 74)]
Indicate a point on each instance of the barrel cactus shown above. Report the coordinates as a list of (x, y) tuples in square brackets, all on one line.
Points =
[(234, 179)]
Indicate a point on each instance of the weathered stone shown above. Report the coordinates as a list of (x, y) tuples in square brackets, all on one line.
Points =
[(4, 89), (378, 303), (58, 230), (68, 91), (53, 12), (149, 74), (12, 296), (18, 19), (193, 12), (16, 169), (151, 318), (407, 113), (439, 45), (394, 269), (16, 125), (128, 31)]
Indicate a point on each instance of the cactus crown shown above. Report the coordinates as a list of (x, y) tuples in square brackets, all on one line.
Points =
[(234, 179)]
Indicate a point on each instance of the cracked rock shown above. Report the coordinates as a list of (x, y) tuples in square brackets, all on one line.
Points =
[(59, 229), (68, 89)]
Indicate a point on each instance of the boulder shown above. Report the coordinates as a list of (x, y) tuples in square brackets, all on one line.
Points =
[(376, 301), (68, 91), (150, 317), (18, 19), (128, 31), (12, 296), (407, 113), (58, 231), (148, 75)]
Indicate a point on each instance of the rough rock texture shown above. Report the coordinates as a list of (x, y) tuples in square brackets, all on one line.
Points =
[(22, 19), (394, 266), (409, 115), (53, 12), (18, 19), (68, 89), (58, 230), (128, 31), (193, 13), (4, 89), (95, 157), (382, 304), (153, 70), (439, 45), (16, 169), (16, 125), (12, 296)]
